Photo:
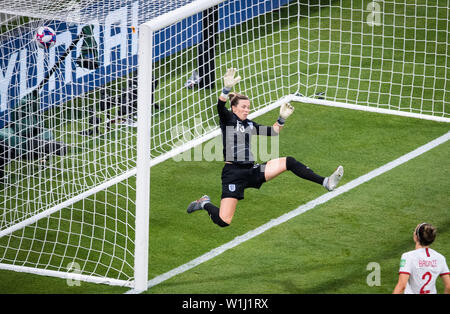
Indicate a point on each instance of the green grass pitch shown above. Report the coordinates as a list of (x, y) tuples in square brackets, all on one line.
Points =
[(325, 250)]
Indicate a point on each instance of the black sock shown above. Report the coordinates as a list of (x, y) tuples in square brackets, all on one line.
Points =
[(302, 171), (213, 212)]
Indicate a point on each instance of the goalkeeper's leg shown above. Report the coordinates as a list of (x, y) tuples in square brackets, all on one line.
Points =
[(220, 216), (277, 166)]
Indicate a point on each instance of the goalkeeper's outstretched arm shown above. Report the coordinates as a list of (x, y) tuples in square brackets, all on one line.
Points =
[(228, 83), (285, 111)]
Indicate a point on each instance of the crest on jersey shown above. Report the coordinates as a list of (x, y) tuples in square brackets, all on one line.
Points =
[(232, 187), (241, 127)]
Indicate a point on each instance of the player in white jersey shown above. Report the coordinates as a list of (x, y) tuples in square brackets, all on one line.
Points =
[(420, 268)]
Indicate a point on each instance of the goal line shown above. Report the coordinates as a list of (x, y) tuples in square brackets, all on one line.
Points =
[(294, 213)]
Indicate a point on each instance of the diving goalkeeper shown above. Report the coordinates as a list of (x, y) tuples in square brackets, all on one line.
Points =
[(240, 170)]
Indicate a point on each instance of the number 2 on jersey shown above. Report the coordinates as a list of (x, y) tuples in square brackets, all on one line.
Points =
[(422, 290)]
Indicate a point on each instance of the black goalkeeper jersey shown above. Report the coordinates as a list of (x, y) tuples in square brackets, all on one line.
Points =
[(236, 135)]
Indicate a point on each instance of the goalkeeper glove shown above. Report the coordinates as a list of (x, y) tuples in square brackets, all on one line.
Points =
[(229, 81), (285, 111)]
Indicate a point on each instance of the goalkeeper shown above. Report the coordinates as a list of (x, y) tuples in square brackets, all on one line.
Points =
[(240, 170)]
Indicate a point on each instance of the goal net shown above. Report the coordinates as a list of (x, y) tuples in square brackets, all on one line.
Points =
[(131, 83)]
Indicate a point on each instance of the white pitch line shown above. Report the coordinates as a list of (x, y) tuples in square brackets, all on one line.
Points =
[(294, 213)]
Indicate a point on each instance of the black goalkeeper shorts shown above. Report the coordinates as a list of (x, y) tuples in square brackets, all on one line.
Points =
[(237, 177)]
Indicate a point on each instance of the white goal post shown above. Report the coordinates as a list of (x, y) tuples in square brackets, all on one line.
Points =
[(131, 83)]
